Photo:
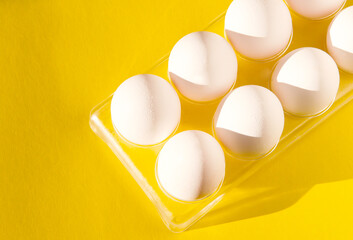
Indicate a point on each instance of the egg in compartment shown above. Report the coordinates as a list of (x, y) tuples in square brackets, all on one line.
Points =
[(315, 9), (306, 81), (249, 122), (190, 166), (202, 66), (145, 109), (258, 29), (340, 39)]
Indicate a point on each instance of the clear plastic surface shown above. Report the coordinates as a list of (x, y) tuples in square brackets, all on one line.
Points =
[(141, 161)]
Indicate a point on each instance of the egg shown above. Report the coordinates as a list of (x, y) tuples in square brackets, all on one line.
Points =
[(202, 66), (249, 121), (340, 39), (315, 9), (190, 166), (306, 81), (145, 109), (258, 29)]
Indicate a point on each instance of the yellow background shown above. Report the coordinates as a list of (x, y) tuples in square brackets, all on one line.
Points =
[(59, 181)]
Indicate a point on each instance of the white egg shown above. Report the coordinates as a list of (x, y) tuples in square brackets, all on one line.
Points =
[(249, 121), (258, 29), (202, 66), (306, 81), (145, 109), (340, 39), (191, 166), (315, 9)]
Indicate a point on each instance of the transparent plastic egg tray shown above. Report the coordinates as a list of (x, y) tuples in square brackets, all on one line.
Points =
[(141, 161)]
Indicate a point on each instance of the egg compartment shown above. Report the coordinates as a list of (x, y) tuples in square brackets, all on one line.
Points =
[(140, 161), (319, 18)]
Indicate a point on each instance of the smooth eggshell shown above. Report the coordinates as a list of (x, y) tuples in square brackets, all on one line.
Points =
[(202, 66), (306, 81), (315, 9), (258, 29), (191, 165), (249, 121), (340, 39), (145, 109)]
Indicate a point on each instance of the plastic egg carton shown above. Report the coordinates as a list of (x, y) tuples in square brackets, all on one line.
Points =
[(141, 161)]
